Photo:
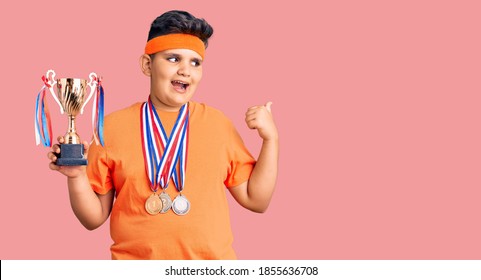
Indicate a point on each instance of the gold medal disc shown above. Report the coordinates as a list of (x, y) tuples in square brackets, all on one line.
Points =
[(153, 204)]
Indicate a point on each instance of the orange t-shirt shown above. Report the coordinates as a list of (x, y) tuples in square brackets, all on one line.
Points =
[(217, 158)]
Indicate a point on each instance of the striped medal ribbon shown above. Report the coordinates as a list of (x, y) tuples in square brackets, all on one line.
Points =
[(161, 155)]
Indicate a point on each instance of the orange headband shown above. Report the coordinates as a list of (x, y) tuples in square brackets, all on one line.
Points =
[(175, 41)]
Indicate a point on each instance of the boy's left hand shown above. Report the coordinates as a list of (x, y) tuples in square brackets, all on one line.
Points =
[(260, 118)]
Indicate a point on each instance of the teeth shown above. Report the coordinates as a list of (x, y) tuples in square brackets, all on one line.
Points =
[(182, 84)]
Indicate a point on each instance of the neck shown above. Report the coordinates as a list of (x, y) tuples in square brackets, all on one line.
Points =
[(161, 106)]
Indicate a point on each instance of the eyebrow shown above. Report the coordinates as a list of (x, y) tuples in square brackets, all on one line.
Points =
[(179, 55)]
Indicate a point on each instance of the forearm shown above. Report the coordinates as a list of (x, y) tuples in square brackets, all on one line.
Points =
[(85, 202), (264, 176)]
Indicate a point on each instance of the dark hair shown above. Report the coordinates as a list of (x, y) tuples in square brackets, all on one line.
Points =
[(173, 22)]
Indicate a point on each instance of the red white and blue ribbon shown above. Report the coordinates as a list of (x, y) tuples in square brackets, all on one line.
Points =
[(160, 168), (43, 124), (98, 114)]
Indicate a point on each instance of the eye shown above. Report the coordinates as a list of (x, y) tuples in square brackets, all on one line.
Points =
[(195, 63), (173, 59)]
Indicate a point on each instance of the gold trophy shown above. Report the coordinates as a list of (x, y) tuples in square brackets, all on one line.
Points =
[(71, 97)]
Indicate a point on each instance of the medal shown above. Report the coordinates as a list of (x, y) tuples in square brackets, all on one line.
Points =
[(161, 167), (181, 205), (166, 202), (153, 204)]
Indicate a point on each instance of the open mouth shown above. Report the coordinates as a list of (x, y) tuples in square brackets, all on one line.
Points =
[(180, 86)]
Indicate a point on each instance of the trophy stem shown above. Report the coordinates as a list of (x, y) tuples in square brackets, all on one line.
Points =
[(71, 137)]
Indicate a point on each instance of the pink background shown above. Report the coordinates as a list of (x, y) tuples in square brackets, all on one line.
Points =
[(377, 104)]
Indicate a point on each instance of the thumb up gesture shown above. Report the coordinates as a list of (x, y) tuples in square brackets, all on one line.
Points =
[(260, 118)]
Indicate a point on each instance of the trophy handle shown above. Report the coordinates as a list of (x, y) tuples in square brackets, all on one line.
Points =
[(93, 86), (50, 82)]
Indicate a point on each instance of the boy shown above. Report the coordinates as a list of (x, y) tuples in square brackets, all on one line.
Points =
[(168, 160)]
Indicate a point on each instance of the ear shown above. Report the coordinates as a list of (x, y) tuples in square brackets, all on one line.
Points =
[(146, 64)]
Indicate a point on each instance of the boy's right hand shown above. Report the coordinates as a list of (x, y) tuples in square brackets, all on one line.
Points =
[(69, 171)]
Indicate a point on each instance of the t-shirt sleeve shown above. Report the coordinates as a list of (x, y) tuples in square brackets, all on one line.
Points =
[(241, 162), (98, 170)]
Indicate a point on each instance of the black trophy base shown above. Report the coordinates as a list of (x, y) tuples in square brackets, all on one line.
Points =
[(71, 155)]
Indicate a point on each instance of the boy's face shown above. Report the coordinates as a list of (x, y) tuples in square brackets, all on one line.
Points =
[(174, 76)]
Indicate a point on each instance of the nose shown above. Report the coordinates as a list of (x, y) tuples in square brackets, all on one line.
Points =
[(184, 69)]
